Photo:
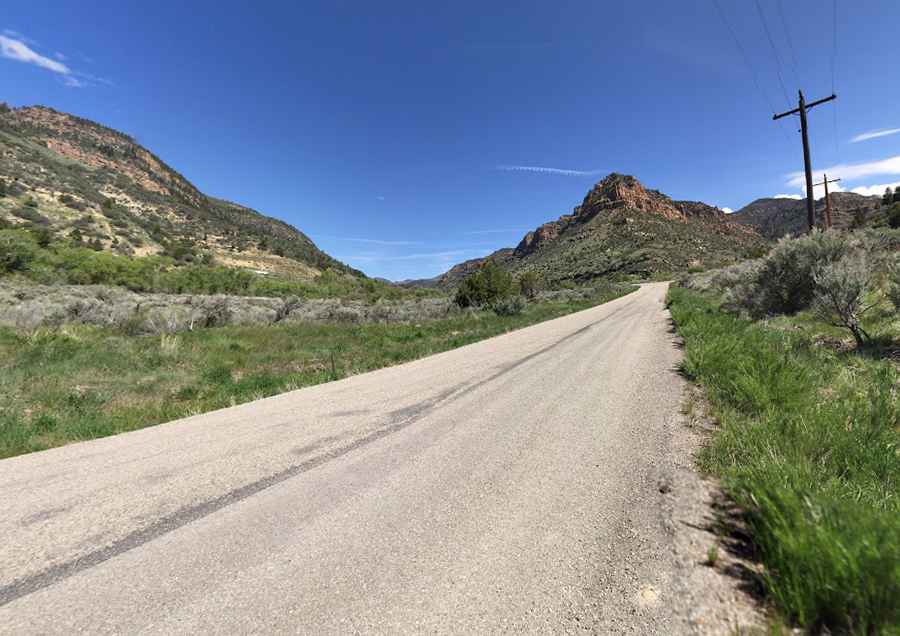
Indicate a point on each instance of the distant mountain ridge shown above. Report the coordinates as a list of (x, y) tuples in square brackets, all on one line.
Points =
[(78, 176), (777, 217), (621, 228)]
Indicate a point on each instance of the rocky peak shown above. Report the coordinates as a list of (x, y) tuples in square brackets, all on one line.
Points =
[(619, 191)]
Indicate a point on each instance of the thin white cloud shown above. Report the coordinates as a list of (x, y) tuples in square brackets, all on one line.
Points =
[(73, 82), (873, 190), (16, 47), (852, 171), (444, 255), (19, 51), (545, 170), (508, 230), (727, 210), (818, 192), (371, 241), (874, 134), (18, 36)]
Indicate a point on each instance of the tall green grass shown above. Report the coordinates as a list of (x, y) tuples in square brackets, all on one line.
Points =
[(810, 449)]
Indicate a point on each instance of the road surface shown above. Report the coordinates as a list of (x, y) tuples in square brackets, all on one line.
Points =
[(509, 485)]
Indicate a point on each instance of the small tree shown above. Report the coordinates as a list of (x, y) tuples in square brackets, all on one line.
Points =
[(17, 250), (42, 235), (485, 287), (888, 196), (893, 216), (894, 285), (859, 219), (841, 289), (897, 194), (529, 284), (76, 237)]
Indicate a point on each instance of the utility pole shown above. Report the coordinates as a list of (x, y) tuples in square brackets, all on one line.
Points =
[(807, 164), (825, 183)]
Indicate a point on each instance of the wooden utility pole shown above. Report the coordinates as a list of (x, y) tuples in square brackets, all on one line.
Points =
[(807, 163), (825, 183)]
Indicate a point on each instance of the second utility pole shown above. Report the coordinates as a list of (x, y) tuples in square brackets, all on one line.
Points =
[(807, 163), (825, 182)]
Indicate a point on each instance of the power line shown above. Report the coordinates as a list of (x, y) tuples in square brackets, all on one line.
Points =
[(787, 32), (762, 18), (748, 63)]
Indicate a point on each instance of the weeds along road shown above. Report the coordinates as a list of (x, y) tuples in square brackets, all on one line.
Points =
[(509, 485)]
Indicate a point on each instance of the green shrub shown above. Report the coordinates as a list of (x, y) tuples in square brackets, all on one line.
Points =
[(785, 282), (841, 289), (485, 287), (893, 216), (510, 306), (893, 289), (17, 250), (529, 284)]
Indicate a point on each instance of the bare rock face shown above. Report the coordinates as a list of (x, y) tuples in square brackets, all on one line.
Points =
[(619, 191), (534, 239)]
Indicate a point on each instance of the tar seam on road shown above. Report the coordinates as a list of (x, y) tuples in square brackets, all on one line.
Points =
[(180, 518)]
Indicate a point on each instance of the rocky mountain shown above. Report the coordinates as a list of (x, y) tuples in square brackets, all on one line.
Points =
[(88, 181), (622, 229), (774, 218)]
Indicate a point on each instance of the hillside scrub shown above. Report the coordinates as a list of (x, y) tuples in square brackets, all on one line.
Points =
[(27, 306), (78, 382), (837, 276), (808, 449), (37, 256)]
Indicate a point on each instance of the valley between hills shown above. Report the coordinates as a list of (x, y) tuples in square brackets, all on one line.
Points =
[(403, 415)]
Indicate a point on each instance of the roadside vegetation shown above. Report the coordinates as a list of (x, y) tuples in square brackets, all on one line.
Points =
[(78, 382), (798, 356)]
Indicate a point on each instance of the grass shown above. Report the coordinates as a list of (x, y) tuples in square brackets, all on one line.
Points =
[(808, 447), (78, 383)]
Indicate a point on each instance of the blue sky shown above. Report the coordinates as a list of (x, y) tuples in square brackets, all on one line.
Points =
[(404, 137)]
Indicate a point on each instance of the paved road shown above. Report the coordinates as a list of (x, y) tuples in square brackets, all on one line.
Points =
[(510, 485)]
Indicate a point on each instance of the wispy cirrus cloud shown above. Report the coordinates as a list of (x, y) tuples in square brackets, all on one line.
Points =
[(507, 230), (18, 36), (18, 48), (19, 51), (545, 170), (440, 256), (874, 134), (851, 171), (354, 239)]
